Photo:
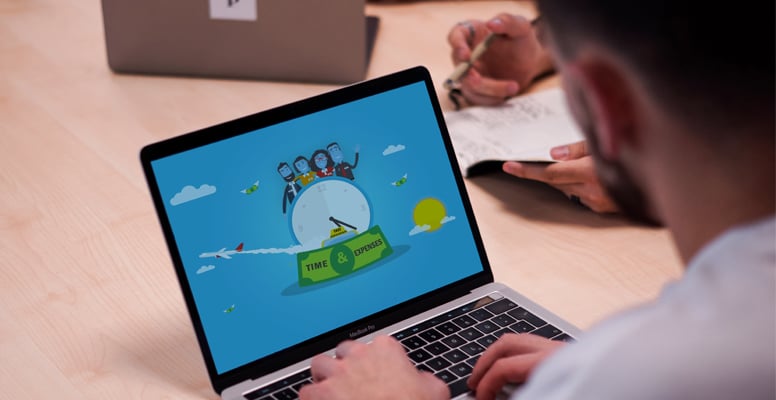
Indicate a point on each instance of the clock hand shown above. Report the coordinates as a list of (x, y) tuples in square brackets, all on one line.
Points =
[(340, 223)]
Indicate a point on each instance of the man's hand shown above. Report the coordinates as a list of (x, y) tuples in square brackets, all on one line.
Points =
[(510, 360), (574, 175), (512, 61), (376, 371)]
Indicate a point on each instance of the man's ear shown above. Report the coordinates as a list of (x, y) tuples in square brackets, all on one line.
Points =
[(611, 102)]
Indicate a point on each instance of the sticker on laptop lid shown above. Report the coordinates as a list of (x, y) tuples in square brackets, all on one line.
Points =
[(237, 10)]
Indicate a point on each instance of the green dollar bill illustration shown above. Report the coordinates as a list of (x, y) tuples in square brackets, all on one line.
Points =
[(343, 257)]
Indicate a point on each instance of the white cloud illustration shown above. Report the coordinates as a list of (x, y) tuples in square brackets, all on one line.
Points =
[(205, 268), (447, 219), (393, 149), (189, 193), (419, 229)]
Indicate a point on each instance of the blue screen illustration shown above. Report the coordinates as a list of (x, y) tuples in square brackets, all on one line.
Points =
[(293, 230)]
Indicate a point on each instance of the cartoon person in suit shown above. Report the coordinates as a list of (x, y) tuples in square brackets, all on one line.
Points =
[(292, 188), (341, 168)]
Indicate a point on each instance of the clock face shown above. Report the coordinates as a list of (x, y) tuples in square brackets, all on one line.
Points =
[(324, 203)]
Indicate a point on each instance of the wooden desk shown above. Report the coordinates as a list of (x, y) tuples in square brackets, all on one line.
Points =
[(89, 305)]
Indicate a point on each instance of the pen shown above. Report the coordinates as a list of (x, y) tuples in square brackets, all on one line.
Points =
[(461, 69)]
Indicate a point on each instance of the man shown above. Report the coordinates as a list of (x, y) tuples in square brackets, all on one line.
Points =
[(341, 167), (679, 120), (292, 188)]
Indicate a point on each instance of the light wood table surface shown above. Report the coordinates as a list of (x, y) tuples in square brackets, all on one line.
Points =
[(89, 304)]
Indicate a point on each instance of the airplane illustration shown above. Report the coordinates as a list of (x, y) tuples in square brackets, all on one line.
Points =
[(223, 253)]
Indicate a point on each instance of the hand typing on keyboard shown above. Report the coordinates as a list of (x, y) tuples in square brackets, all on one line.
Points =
[(380, 370), (509, 360)]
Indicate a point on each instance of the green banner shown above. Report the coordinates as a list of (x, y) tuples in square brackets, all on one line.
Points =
[(342, 258)]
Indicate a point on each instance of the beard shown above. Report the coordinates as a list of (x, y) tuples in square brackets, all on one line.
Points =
[(614, 176)]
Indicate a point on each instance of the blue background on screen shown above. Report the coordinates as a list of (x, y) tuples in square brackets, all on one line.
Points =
[(251, 304)]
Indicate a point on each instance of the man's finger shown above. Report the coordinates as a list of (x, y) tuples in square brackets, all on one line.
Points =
[(513, 369), (390, 343), (436, 387), (345, 347), (570, 151), (510, 25), (322, 366), (310, 392), (565, 172), (458, 38), (483, 86), (479, 90), (506, 346)]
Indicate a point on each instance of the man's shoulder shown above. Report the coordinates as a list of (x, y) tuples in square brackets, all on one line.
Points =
[(651, 353), (708, 335)]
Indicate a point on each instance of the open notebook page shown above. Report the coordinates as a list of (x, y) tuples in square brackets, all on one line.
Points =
[(523, 129)]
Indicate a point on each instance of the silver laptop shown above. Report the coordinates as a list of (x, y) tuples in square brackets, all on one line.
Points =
[(289, 40), (342, 216)]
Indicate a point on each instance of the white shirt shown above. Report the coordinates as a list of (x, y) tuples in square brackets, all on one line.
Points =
[(711, 335)]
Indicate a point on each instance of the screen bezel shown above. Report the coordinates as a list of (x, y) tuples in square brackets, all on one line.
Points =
[(263, 119)]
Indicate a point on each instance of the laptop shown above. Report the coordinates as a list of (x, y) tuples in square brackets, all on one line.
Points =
[(341, 216), (289, 40)]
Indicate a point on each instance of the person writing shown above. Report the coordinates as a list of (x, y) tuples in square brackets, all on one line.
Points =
[(678, 129), (506, 69)]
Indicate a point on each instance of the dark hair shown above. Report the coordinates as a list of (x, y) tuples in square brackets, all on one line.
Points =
[(328, 146), (712, 65), (300, 158), (282, 164), (329, 163)]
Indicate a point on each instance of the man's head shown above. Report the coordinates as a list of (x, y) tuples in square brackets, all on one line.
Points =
[(335, 152), (659, 81), (285, 171), (302, 165)]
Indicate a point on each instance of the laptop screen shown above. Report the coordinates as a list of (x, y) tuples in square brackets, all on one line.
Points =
[(297, 228)]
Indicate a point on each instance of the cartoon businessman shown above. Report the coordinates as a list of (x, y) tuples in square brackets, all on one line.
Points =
[(292, 188), (341, 168), (322, 164), (302, 166)]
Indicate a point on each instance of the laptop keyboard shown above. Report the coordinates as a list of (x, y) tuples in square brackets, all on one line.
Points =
[(447, 345)]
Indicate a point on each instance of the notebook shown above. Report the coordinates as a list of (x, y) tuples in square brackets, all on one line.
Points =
[(290, 40), (341, 216)]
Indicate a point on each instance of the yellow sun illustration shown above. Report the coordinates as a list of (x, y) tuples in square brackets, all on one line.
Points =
[(429, 211)]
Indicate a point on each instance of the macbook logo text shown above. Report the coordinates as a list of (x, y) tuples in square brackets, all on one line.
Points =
[(235, 10), (361, 331)]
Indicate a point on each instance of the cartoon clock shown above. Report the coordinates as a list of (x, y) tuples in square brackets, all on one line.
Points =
[(326, 205)]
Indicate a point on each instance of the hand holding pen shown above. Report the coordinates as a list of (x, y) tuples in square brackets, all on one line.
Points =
[(503, 65), (464, 66)]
